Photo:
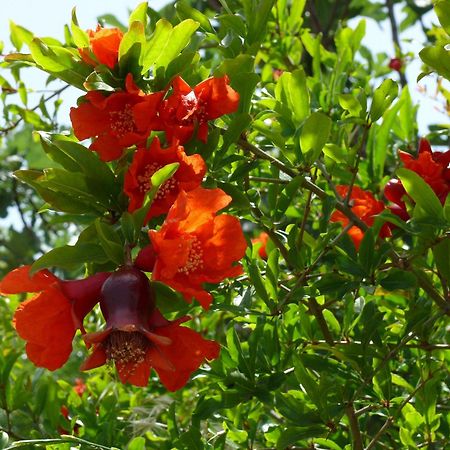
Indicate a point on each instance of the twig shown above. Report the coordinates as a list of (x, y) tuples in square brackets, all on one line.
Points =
[(354, 427), (395, 37), (318, 314), (6, 130), (392, 418)]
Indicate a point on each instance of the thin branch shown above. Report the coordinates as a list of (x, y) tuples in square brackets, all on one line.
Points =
[(6, 130), (395, 37), (316, 309), (391, 419), (357, 443)]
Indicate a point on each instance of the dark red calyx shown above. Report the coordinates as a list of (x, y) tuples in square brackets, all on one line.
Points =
[(146, 259), (127, 300)]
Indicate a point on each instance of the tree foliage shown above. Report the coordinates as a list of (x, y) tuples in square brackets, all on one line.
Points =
[(335, 336)]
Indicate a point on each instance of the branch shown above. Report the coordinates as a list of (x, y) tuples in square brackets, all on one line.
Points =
[(395, 37), (354, 427)]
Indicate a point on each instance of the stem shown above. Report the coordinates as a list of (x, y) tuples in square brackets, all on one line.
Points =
[(6, 130), (395, 37), (310, 186), (318, 314), (357, 443)]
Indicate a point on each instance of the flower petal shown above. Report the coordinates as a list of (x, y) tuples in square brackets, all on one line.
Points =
[(19, 280)]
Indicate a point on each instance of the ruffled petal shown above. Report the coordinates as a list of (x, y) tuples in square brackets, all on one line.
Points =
[(46, 322), (187, 352), (19, 280)]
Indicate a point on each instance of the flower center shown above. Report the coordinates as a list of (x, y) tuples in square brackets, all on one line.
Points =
[(145, 183), (195, 257), (122, 122), (125, 347)]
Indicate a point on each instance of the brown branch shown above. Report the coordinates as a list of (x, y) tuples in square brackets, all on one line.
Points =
[(395, 37), (357, 442)]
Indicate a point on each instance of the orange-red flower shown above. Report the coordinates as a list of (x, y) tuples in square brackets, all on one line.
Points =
[(195, 246), (366, 207), (104, 47), (262, 239), (48, 321), (110, 120), (147, 161), (137, 338), (186, 111), (431, 166)]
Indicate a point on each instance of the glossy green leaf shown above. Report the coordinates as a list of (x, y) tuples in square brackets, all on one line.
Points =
[(314, 135), (383, 97), (421, 193), (70, 257)]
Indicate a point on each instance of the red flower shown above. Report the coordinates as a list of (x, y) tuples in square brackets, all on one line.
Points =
[(49, 320), (104, 47), (79, 387), (262, 239), (147, 161), (194, 246), (138, 338), (366, 207), (431, 166), (188, 110), (110, 120), (396, 64)]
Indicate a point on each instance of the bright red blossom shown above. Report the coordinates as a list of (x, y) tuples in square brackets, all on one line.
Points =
[(431, 166), (147, 161), (195, 246), (366, 207), (104, 47), (111, 122), (48, 321), (137, 338), (187, 111)]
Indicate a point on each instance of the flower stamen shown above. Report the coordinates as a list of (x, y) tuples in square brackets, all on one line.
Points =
[(195, 257)]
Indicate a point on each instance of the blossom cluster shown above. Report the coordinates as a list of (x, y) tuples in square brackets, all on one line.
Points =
[(431, 166), (194, 245)]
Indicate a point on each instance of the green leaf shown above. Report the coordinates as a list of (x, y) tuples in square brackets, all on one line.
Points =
[(130, 49), (257, 15), (398, 279), (438, 58), (314, 135), (110, 241), (383, 97), (139, 14), (258, 284), (4, 439), (80, 37), (421, 193), (156, 180), (442, 10), (292, 435), (19, 35), (299, 95), (292, 92), (441, 254), (166, 43), (185, 11), (71, 257), (138, 443)]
